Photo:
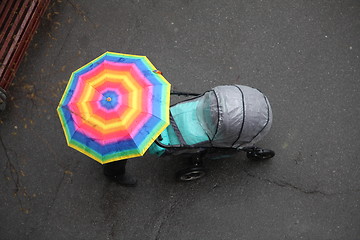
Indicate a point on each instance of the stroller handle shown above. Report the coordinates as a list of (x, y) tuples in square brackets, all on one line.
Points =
[(184, 93), (160, 144)]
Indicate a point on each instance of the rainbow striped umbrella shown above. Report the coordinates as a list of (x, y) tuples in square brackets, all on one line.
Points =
[(114, 107)]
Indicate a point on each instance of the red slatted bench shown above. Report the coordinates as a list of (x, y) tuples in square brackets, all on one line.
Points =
[(19, 20)]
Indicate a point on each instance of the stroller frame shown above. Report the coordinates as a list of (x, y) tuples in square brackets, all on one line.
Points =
[(198, 152)]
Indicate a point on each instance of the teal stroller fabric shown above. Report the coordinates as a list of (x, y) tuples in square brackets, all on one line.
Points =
[(185, 116), (230, 116)]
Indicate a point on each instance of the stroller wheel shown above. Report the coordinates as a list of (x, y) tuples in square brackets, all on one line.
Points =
[(260, 154), (190, 174)]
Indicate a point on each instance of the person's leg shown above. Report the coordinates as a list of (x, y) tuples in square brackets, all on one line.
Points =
[(116, 171), (116, 168)]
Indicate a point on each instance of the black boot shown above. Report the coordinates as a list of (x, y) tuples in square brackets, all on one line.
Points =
[(126, 180)]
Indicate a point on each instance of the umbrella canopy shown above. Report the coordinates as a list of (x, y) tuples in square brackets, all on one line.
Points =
[(114, 107)]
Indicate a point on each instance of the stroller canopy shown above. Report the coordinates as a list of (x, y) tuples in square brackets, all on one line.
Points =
[(234, 115)]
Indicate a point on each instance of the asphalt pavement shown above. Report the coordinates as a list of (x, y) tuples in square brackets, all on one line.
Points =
[(304, 55)]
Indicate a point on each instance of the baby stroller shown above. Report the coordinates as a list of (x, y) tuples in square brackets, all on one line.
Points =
[(219, 122)]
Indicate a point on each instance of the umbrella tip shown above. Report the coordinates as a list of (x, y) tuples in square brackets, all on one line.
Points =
[(108, 99), (157, 71)]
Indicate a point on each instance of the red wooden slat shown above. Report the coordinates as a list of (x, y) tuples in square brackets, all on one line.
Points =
[(2, 7), (9, 34), (17, 37), (8, 6), (25, 28), (18, 49)]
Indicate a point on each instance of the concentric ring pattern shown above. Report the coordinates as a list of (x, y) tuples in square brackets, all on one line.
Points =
[(114, 107)]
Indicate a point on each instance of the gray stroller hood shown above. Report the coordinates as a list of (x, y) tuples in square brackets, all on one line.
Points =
[(234, 115)]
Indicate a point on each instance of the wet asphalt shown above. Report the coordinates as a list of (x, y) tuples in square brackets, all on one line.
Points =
[(304, 55)]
